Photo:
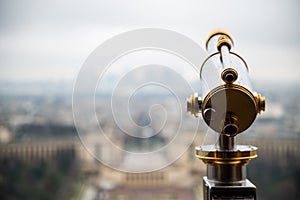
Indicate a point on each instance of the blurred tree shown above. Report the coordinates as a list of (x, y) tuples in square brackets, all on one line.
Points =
[(37, 179)]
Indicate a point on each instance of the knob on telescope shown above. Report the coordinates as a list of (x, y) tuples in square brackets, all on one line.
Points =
[(194, 104)]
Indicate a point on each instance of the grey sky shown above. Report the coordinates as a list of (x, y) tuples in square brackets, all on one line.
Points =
[(49, 40)]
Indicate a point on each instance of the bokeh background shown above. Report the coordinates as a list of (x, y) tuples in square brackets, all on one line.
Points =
[(43, 45)]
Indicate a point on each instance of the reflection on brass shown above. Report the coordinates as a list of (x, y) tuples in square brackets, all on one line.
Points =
[(193, 105), (231, 125), (219, 32), (223, 40), (230, 100), (261, 102), (211, 156)]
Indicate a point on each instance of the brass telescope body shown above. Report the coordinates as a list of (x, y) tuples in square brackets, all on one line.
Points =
[(229, 108)]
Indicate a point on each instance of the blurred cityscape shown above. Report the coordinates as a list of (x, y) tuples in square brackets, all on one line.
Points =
[(42, 156)]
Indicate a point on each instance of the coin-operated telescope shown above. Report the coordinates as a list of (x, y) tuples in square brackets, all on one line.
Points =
[(229, 106)]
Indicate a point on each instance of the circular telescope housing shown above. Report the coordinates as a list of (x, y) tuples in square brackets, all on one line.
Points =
[(232, 109)]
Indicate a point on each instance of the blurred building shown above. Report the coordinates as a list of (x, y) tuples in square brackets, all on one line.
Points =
[(181, 180)]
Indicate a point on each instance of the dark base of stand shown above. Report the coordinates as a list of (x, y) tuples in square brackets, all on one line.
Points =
[(221, 190)]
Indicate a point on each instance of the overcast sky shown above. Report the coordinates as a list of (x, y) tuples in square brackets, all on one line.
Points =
[(49, 40)]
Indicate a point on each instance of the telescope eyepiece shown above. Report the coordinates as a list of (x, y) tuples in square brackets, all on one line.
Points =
[(229, 75)]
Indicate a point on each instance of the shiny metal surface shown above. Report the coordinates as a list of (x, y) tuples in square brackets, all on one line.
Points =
[(226, 173), (230, 100), (194, 104), (213, 39), (225, 58), (227, 143), (211, 155)]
